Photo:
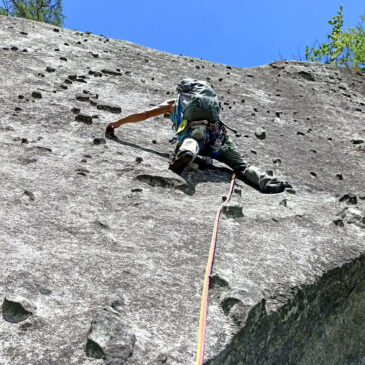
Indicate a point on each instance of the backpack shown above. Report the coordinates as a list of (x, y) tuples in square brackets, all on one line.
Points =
[(196, 100)]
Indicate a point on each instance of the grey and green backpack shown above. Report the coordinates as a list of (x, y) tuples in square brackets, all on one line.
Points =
[(196, 100)]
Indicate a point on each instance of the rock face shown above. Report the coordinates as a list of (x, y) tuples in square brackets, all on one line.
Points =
[(110, 338), (17, 309), (320, 324), (82, 220)]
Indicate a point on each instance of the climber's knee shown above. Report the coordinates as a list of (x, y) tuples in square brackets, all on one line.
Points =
[(191, 145)]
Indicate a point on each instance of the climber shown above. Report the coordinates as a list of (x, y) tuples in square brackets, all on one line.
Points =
[(195, 117)]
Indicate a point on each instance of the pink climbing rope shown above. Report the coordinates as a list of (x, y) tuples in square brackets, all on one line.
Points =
[(204, 301)]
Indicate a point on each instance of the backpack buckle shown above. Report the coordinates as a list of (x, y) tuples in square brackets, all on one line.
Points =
[(198, 122)]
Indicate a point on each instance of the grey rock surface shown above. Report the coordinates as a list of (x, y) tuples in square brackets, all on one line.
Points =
[(165, 179), (17, 309), (110, 338), (260, 133), (110, 108), (233, 211), (290, 287)]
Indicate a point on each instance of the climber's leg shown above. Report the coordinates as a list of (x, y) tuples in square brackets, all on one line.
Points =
[(251, 174)]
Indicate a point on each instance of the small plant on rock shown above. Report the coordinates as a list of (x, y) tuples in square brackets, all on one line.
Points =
[(47, 11)]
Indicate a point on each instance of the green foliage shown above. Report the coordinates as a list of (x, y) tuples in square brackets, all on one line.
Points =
[(48, 11), (345, 47)]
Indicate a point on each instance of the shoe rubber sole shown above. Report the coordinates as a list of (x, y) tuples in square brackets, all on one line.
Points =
[(181, 162)]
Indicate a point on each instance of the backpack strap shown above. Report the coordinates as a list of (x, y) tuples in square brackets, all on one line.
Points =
[(176, 116)]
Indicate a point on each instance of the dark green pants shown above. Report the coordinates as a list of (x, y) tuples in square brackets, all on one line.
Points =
[(253, 175), (230, 156)]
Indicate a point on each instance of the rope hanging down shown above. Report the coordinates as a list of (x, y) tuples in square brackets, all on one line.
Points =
[(204, 301)]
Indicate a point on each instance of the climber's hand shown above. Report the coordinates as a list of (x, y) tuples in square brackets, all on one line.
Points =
[(109, 132)]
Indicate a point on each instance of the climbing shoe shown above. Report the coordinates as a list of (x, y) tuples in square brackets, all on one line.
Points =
[(275, 187), (183, 159)]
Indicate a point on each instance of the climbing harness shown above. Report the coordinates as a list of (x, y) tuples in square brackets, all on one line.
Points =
[(204, 301)]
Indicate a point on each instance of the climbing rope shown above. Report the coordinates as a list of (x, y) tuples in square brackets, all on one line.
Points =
[(204, 301)]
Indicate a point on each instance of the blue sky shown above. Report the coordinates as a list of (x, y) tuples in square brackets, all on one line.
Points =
[(241, 33)]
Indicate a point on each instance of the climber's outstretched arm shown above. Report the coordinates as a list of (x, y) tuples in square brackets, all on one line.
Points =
[(165, 107)]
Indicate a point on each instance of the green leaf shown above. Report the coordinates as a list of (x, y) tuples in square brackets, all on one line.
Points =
[(346, 47)]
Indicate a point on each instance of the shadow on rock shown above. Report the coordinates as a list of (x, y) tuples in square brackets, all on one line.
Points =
[(17, 309), (211, 173), (114, 138), (192, 177), (318, 323), (188, 180)]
